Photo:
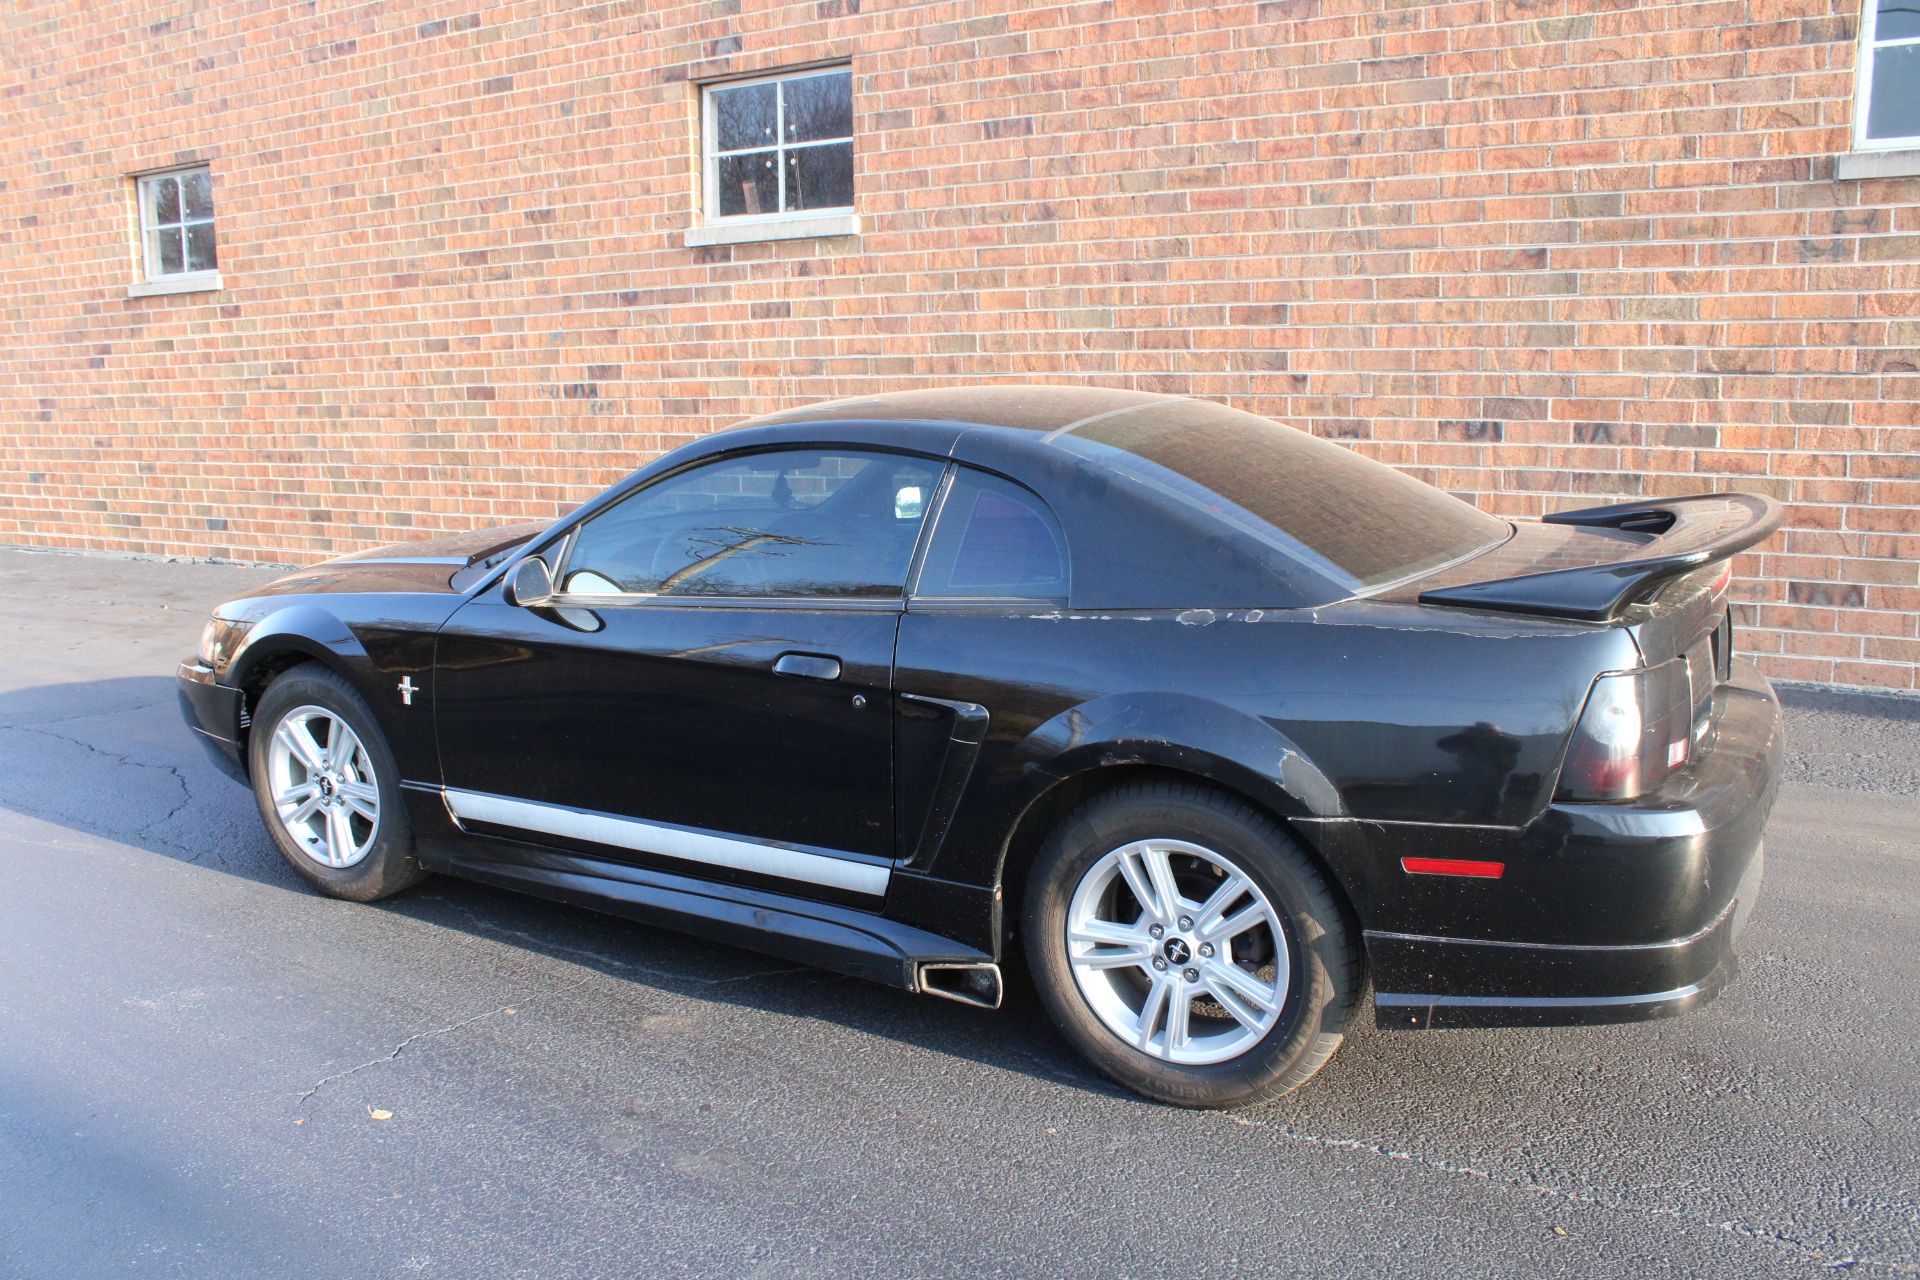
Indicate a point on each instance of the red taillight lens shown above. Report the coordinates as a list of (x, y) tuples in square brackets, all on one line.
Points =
[(1636, 730)]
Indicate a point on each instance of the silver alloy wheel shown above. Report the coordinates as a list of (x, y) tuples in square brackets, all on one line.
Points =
[(1178, 952), (323, 786)]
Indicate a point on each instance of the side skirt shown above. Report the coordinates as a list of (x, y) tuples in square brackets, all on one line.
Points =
[(843, 939)]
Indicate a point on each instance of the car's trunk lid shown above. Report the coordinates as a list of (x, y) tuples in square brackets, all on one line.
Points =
[(1659, 569)]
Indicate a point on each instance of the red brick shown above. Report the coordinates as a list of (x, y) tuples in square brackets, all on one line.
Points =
[(1542, 260)]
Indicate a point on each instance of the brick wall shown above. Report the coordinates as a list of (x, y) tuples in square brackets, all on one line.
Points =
[(1540, 254)]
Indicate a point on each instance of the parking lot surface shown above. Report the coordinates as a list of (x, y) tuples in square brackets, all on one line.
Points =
[(207, 1070)]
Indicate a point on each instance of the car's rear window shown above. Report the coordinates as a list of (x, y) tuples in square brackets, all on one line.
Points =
[(1357, 522)]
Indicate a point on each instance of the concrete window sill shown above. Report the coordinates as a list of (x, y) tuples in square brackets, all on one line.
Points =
[(197, 282), (832, 224), (1877, 164)]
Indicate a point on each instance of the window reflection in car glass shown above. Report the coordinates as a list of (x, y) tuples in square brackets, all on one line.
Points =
[(790, 523)]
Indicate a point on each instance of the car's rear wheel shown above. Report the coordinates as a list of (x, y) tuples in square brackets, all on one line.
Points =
[(328, 788), (1188, 947)]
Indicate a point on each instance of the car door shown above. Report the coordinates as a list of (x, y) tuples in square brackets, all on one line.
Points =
[(709, 689)]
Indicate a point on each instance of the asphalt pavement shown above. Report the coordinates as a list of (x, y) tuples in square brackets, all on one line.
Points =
[(207, 1070)]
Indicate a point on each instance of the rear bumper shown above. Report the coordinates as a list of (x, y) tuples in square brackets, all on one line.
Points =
[(214, 713), (1471, 983), (1606, 912)]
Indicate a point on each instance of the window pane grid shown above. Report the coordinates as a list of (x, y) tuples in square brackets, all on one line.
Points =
[(734, 182), (176, 223), (791, 146)]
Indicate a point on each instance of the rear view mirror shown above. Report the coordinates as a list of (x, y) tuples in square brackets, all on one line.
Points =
[(909, 502), (530, 583)]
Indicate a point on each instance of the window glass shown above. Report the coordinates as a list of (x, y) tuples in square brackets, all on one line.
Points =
[(745, 116), (818, 107), (176, 222), (200, 254), (782, 145), (1896, 93), (748, 183), (791, 523), (165, 200), (1897, 20), (820, 177), (196, 189), (994, 540)]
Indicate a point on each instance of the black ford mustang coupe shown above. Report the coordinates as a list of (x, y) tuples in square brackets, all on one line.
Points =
[(1212, 721)]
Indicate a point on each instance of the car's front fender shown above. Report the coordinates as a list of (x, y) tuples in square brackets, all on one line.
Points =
[(295, 629), (392, 645)]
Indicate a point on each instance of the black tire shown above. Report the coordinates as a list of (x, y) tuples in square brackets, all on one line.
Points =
[(1326, 971), (388, 865)]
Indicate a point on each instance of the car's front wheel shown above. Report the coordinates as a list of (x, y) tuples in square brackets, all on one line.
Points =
[(1188, 947), (328, 787)]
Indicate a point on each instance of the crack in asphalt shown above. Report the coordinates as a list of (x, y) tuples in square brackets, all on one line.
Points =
[(496, 933), (431, 1032), (493, 931), (91, 715), (145, 829), (1847, 1260)]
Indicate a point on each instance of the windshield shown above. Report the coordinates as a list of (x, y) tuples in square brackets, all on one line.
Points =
[(1354, 521)]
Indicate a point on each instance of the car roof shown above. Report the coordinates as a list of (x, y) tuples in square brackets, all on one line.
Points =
[(1114, 466), (1130, 547), (1035, 409)]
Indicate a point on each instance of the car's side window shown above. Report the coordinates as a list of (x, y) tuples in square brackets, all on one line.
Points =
[(995, 541), (788, 523)]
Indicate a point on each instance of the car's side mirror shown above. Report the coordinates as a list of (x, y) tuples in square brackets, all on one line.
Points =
[(531, 583)]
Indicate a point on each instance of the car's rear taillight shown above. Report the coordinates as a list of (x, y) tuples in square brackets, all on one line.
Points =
[(1636, 731)]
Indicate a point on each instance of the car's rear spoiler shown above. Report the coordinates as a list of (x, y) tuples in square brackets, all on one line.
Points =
[(1688, 534)]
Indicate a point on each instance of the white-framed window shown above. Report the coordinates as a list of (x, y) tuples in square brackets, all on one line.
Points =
[(778, 147), (173, 220), (1887, 108), (176, 224)]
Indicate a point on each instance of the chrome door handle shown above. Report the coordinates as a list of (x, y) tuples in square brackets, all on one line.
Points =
[(808, 666)]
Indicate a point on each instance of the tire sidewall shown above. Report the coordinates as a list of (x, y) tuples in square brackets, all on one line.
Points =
[(389, 865), (1267, 858)]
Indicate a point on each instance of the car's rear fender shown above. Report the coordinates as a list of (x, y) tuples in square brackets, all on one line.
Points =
[(1436, 715), (1184, 733), (1113, 738)]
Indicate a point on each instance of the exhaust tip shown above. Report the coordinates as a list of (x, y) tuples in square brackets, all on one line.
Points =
[(975, 984)]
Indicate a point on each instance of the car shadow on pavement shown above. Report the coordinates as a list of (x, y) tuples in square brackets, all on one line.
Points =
[(111, 759)]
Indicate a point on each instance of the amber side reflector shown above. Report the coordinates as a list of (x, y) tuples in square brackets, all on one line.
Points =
[(1453, 867)]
